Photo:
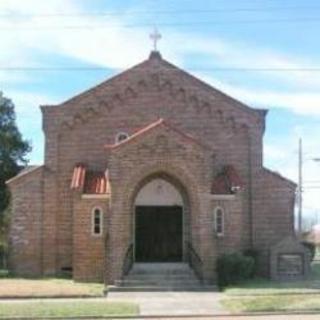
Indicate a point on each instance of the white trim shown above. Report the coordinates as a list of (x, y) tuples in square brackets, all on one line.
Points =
[(222, 196), (118, 136), (95, 196), (93, 222), (215, 212)]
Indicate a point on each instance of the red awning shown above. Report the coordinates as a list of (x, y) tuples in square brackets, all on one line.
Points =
[(96, 183), (78, 176), (227, 181), (91, 182)]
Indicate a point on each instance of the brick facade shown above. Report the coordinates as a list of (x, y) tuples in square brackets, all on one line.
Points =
[(203, 131)]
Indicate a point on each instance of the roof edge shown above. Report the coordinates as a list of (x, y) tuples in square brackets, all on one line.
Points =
[(24, 173), (150, 127), (289, 182)]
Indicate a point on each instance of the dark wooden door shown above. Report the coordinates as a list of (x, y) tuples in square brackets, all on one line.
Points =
[(158, 234)]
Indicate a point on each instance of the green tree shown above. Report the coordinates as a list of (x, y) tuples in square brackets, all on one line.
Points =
[(13, 151)]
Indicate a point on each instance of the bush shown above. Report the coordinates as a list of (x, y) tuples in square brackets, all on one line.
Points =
[(311, 247), (253, 253), (234, 267)]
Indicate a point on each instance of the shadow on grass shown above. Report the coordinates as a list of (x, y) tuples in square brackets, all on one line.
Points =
[(260, 286)]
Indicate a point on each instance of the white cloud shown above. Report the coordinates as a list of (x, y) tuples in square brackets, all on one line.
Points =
[(27, 103), (307, 103), (29, 119), (117, 47), (300, 102), (281, 155)]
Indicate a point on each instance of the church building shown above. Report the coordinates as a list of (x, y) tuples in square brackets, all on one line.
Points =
[(152, 166)]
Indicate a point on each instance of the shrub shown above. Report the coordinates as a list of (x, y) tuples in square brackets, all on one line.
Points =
[(234, 267), (253, 253)]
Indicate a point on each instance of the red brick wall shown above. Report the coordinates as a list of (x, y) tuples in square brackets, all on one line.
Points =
[(88, 249), (77, 130), (25, 234), (273, 213)]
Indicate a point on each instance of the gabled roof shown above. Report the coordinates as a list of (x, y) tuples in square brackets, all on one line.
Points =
[(24, 173), (155, 60), (278, 176), (150, 127), (106, 83)]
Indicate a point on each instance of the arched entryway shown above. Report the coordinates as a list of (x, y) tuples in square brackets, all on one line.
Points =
[(160, 221)]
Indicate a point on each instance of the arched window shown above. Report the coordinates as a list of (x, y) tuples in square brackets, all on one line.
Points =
[(219, 221), (121, 136), (97, 221)]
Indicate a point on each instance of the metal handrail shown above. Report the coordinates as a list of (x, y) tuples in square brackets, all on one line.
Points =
[(128, 260), (195, 261)]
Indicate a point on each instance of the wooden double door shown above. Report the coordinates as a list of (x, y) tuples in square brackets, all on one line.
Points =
[(158, 234)]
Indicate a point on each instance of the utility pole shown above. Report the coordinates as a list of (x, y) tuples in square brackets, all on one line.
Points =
[(300, 189)]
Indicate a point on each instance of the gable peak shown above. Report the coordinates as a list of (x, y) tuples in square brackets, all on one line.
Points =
[(155, 54)]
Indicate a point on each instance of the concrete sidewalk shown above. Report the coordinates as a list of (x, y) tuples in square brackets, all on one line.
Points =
[(172, 303), (245, 317)]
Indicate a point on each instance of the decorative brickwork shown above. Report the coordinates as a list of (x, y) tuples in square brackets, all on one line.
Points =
[(180, 130)]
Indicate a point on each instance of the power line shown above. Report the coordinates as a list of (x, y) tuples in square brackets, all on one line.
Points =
[(164, 12), (227, 69), (159, 24)]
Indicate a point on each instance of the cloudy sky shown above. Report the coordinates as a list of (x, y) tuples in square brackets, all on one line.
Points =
[(263, 52)]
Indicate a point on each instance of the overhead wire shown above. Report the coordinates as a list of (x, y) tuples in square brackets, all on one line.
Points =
[(218, 69), (27, 27), (161, 12)]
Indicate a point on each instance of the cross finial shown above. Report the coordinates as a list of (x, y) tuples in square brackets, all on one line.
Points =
[(155, 36)]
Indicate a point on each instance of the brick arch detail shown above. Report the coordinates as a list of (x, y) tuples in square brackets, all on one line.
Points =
[(185, 183), (124, 202)]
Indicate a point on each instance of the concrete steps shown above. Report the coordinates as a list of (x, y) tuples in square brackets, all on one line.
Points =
[(160, 277)]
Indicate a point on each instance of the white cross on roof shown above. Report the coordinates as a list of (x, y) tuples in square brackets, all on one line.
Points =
[(155, 36)]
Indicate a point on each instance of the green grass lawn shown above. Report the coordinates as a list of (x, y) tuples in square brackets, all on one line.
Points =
[(50, 287), (265, 295), (267, 287), (4, 273), (273, 303), (66, 309)]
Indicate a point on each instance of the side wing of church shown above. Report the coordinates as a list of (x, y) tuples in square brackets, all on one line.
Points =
[(150, 166)]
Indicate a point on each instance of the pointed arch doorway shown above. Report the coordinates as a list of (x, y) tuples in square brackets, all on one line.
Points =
[(159, 222)]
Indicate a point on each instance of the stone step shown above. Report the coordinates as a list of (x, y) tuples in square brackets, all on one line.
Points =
[(159, 277), (161, 273), (199, 288), (161, 268), (148, 283)]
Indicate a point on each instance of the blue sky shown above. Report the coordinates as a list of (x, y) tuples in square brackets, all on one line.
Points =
[(199, 36)]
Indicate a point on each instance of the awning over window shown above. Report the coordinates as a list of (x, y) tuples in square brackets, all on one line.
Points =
[(90, 182), (227, 181)]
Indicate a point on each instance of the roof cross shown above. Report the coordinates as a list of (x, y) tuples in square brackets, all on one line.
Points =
[(155, 36)]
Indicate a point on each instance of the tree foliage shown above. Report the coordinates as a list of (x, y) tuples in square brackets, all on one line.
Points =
[(13, 149)]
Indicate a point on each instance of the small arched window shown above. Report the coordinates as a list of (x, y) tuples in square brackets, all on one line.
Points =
[(219, 221), (121, 136), (97, 220)]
